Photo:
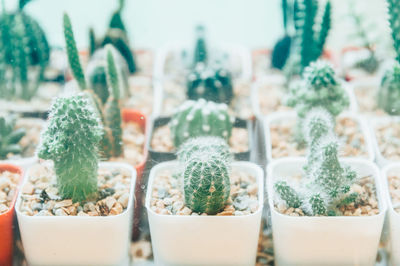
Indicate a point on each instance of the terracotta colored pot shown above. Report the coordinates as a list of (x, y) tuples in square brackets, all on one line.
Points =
[(131, 115), (6, 222)]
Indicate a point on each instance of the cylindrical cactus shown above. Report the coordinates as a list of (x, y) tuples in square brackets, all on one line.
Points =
[(9, 136), (200, 118), (71, 142), (112, 108), (212, 84), (200, 50), (389, 92), (288, 194), (204, 144), (206, 182)]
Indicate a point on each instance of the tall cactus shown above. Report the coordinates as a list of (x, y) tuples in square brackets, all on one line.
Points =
[(206, 182), (200, 118), (394, 21), (112, 108), (71, 142), (281, 50), (200, 50), (24, 48)]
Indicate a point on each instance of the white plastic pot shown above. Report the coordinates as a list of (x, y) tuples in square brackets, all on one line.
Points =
[(78, 240), (285, 116), (340, 240), (278, 80), (205, 240), (380, 159), (393, 216)]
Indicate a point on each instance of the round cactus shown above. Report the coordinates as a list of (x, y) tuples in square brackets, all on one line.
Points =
[(206, 183), (389, 93), (200, 118), (204, 144), (71, 141), (212, 84)]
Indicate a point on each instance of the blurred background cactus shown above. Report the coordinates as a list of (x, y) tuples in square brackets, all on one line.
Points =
[(117, 36), (326, 185), (10, 136), (281, 50), (24, 54), (310, 34), (71, 141), (206, 180), (200, 118), (200, 49), (211, 83)]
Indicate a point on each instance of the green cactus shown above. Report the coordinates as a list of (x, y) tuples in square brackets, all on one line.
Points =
[(281, 51), (326, 186), (71, 141), (204, 144), (24, 48), (317, 124), (97, 76), (286, 192), (116, 19), (394, 21), (112, 109), (10, 136), (389, 92), (200, 50), (206, 182), (200, 118), (310, 38), (210, 83), (319, 88)]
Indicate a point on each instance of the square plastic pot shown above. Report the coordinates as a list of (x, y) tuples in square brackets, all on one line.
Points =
[(78, 240), (392, 216), (285, 116), (131, 115), (158, 157), (205, 240), (279, 81), (339, 240), (6, 221), (380, 159)]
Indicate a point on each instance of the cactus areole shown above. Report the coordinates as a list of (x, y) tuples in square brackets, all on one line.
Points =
[(71, 141)]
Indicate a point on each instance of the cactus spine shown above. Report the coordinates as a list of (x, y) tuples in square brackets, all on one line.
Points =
[(9, 136), (112, 108), (200, 118), (71, 142)]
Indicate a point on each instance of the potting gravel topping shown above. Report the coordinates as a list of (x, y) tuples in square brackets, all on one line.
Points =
[(327, 188), (41, 195), (388, 138), (8, 187)]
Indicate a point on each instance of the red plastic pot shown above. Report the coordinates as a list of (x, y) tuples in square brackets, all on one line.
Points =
[(131, 115), (6, 221)]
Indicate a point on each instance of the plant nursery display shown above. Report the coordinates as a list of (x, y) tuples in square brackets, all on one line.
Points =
[(194, 198)]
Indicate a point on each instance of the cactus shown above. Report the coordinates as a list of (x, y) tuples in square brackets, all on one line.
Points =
[(212, 84), (71, 142), (200, 118), (394, 21), (317, 124), (206, 182), (389, 92), (112, 109), (319, 88), (326, 186), (97, 77), (204, 144), (24, 48), (9, 136), (116, 19), (310, 38), (281, 50), (200, 50)]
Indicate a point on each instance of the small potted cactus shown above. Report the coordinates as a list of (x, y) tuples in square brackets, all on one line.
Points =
[(18, 139), (199, 118), (199, 200), (10, 178), (91, 201), (322, 207), (391, 181), (319, 89)]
